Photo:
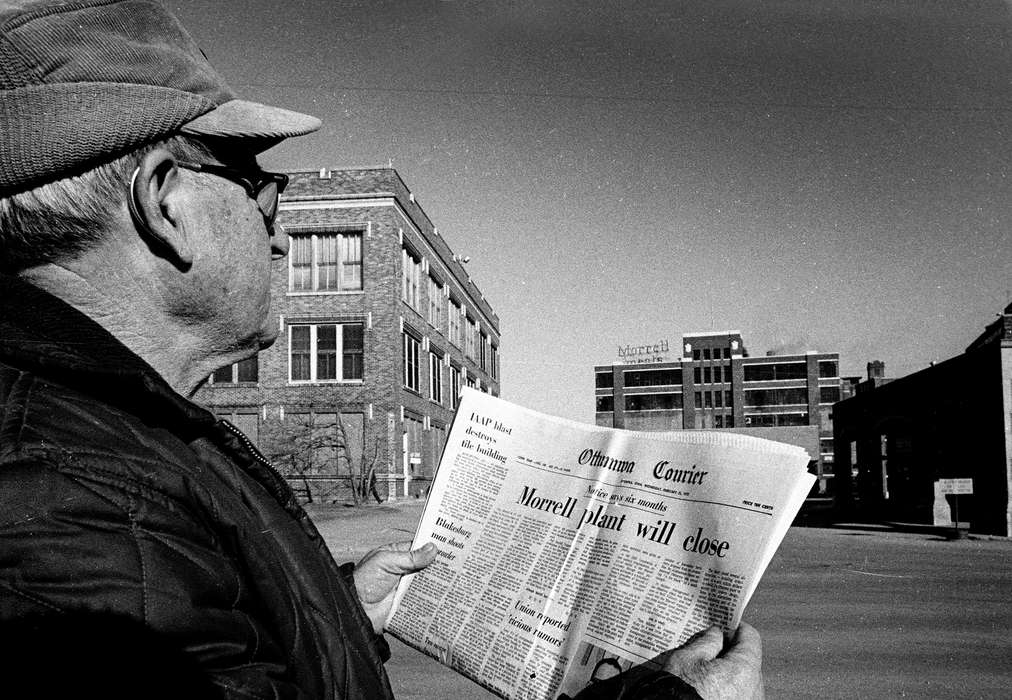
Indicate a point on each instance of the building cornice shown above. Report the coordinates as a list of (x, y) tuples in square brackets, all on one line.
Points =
[(389, 199)]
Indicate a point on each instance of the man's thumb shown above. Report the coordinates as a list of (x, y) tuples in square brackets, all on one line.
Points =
[(418, 559)]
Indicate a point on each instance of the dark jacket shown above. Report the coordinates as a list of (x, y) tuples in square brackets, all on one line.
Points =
[(118, 495)]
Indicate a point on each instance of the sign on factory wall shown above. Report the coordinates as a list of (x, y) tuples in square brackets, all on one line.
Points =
[(957, 487), (644, 354)]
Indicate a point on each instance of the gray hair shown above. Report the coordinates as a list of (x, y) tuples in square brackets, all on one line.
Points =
[(60, 220)]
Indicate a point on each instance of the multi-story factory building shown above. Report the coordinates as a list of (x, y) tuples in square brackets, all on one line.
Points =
[(716, 385), (379, 326)]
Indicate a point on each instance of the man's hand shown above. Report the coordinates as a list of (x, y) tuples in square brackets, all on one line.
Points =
[(376, 576), (718, 671)]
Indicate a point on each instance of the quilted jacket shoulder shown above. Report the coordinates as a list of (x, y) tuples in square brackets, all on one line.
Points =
[(118, 495)]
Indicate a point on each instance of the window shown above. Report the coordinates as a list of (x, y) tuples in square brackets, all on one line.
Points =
[(829, 394), (299, 353), (414, 430), (472, 383), (435, 442), (454, 386), (653, 377), (828, 369), (316, 443), (727, 398), (706, 353), (244, 371), (323, 435), (453, 313), (435, 303), (729, 421), (709, 399), (718, 399), (605, 404), (718, 377), (493, 368), (651, 402), (411, 265), (718, 421), (326, 262), (776, 397), (352, 350), (248, 370), (727, 356), (695, 354), (707, 377), (775, 419), (696, 375), (698, 399), (770, 372), (483, 351), (436, 377), (325, 352), (411, 373), (604, 380), (471, 335)]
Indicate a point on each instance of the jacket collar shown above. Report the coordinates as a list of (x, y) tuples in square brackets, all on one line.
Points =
[(40, 333), (43, 334)]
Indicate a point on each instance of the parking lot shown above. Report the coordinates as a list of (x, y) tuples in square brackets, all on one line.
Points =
[(845, 612)]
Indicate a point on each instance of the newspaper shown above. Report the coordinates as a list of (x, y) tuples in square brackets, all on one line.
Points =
[(562, 545)]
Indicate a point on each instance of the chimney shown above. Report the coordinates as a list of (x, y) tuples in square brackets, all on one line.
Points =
[(876, 369)]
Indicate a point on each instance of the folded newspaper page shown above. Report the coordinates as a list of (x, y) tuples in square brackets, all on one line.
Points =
[(564, 546)]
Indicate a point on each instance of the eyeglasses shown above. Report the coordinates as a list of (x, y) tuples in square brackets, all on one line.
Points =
[(262, 186)]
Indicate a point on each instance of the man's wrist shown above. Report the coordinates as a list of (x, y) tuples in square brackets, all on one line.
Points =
[(379, 642), (642, 684)]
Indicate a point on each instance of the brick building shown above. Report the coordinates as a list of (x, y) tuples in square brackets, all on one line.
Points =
[(895, 439), (716, 385), (379, 327)]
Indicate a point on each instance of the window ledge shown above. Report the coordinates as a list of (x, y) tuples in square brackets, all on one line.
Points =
[(329, 293), (324, 382)]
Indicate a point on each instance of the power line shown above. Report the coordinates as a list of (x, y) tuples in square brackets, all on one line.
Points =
[(588, 97)]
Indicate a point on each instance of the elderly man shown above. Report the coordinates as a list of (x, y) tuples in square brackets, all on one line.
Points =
[(136, 235)]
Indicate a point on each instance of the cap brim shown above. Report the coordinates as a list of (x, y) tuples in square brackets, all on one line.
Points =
[(251, 120)]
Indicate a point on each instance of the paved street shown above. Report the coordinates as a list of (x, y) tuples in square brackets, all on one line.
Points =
[(844, 613)]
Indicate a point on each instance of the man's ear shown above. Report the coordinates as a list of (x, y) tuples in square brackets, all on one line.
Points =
[(153, 203)]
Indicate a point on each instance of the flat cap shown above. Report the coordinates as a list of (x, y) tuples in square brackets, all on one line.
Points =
[(85, 82)]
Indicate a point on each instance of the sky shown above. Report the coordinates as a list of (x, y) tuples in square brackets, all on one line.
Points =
[(814, 174)]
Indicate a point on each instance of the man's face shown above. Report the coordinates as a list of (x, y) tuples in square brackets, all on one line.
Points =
[(231, 270)]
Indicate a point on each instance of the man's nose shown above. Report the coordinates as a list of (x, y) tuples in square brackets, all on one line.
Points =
[(279, 241)]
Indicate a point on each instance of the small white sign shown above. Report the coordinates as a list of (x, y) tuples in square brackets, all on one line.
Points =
[(958, 487)]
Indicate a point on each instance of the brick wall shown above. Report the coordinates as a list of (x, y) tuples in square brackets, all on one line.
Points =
[(377, 203)]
